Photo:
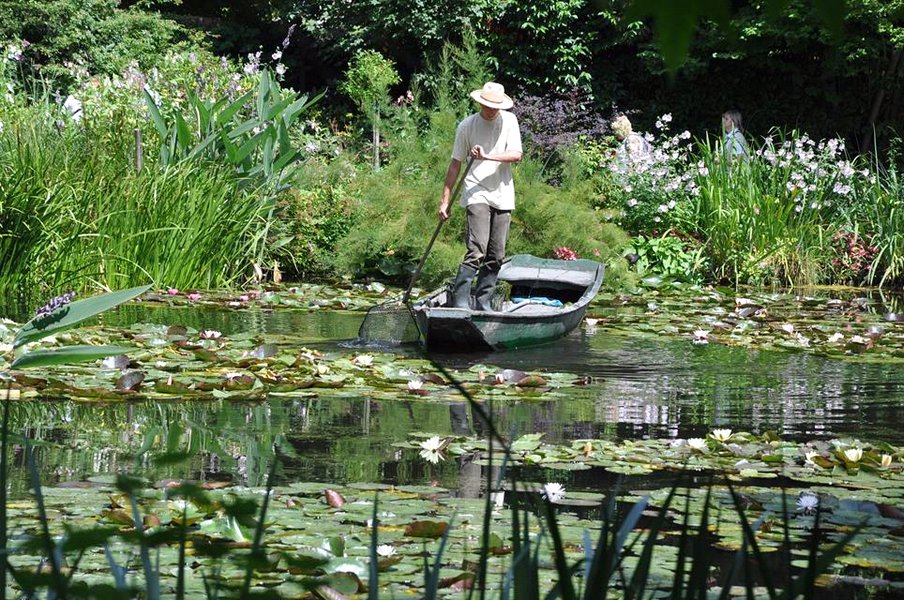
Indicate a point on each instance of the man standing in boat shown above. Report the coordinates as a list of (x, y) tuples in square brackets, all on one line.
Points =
[(493, 139)]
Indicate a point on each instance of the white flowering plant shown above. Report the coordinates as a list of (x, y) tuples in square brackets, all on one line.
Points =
[(765, 219), (651, 188)]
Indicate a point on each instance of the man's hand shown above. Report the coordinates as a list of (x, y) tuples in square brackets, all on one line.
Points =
[(478, 153), (443, 212)]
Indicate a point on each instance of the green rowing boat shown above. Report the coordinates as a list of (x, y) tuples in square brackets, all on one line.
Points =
[(547, 299)]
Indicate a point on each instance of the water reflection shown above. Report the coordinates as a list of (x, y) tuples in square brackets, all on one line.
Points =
[(637, 388), (675, 388)]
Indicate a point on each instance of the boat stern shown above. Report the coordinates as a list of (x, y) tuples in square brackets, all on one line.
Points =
[(450, 329)]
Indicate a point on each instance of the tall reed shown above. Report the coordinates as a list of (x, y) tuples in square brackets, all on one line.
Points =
[(754, 224), (77, 215), (882, 220)]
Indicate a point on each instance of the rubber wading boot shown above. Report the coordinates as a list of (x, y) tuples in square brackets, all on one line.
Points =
[(460, 294), (486, 285)]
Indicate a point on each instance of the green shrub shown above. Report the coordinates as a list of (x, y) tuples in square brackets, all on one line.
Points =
[(770, 219), (316, 221), (399, 213), (93, 33), (670, 257), (367, 82), (880, 217), (399, 204)]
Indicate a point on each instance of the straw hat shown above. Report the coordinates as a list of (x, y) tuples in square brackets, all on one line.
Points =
[(493, 95)]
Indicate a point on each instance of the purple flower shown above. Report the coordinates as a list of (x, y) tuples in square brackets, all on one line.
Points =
[(54, 303)]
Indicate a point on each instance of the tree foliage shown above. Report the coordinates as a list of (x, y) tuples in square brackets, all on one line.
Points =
[(93, 33)]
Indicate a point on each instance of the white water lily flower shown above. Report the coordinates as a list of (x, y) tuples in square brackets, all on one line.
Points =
[(553, 491), (431, 449), (788, 328), (701, 336), (211, 334), (721, 435), (385, 550), (835, 338), (591, 322), (807, 503), (886, 461), (809, 456), (364, 360), (860, 340), (415, 384), (696, 443), (853, 454)]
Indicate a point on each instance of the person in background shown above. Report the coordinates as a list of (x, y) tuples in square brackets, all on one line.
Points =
[(734, 145), (493, 138), (632, 146)]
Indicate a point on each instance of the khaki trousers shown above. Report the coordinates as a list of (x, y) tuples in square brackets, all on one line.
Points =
[(487, 231)]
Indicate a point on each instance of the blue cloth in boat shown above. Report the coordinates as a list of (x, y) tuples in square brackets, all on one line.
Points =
[(537, 300)]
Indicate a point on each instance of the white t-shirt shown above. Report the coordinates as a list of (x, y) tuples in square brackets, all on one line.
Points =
[(488, 181)]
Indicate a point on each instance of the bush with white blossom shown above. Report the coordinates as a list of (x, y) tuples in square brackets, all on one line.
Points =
[(651, 186)]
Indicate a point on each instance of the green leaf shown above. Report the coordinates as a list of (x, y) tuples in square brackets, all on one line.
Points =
[(284, 160), (246, 127), (202, 146), (275, 110), (426, 529), (230, 111), (65, 355), (676, 22), (299, 106), (267, 158), (201, 110), (156, 117), (263, 92), (247, 148), (75, 312), (183, 133)]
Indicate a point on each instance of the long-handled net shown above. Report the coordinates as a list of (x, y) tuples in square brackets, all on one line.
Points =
[(393, 322)]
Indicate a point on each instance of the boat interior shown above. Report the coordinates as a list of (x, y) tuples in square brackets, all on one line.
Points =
[(532, 290)]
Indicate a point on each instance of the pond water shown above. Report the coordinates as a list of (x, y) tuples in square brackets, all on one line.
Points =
[(635, 386)]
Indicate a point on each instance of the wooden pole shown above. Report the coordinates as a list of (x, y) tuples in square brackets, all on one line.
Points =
[(139, 151)]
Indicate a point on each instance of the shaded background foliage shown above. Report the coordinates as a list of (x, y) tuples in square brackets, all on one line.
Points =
[(779, 61)]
